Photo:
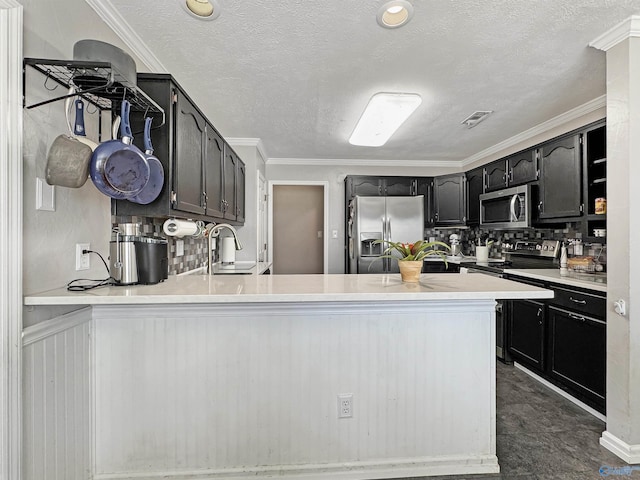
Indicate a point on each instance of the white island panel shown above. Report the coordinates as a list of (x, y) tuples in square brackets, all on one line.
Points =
[(246, 391)]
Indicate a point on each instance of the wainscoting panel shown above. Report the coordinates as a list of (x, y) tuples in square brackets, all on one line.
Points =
[(57, 399), (238, 391)]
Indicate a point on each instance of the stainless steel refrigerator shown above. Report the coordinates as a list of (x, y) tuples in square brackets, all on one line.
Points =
[(398, 219)]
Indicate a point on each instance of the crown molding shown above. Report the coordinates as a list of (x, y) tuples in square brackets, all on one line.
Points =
[(351, 162), (625, 29), (108, 13), (554, 122), (249, 142)]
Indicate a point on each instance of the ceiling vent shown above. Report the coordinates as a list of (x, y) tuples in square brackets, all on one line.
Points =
[(476, 117)]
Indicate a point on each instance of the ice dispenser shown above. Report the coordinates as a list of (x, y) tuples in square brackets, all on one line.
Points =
[(368, 245)]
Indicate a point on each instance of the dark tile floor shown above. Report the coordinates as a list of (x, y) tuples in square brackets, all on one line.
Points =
[(543, 436)]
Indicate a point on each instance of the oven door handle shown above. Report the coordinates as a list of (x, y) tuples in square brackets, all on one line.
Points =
[(512, 207)]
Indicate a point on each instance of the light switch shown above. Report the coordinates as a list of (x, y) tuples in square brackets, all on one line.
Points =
[(319, 233), (45, 196), (179, 248)]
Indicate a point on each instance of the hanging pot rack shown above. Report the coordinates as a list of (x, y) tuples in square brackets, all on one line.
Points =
[(99, 83)]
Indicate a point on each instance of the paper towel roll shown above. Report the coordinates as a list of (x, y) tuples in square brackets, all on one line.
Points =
[(179, 228), (228, 254)]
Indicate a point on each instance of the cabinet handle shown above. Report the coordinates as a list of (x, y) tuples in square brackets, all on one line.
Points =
[(540, 206), (539, 312), (580, 302), (577, 317)]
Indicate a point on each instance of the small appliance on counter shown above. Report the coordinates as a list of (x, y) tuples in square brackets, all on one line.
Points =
[(454, 242), (137, 259)]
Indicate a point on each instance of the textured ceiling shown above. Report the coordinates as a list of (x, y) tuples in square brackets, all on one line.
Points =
[(298, 73)]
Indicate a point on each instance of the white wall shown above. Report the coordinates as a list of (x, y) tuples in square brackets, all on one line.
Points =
[(248, 233), (335, 176), (82, 215)]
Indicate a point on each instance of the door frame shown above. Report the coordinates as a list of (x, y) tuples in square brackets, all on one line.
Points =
[(325, 227), (11, 177)]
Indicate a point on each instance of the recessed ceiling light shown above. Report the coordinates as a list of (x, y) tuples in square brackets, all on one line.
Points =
[(394, 14), (382, 116), (201, 9), (476, 117)]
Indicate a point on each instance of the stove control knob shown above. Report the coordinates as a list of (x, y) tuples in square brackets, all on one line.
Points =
[(538, 247)]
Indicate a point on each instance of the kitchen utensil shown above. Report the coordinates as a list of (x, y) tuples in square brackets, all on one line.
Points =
[(156, 176), (67, 160), (482, 253), (119, 169), (152, 259), (78, 128), (123, 66), (123, 265), (130, 229)]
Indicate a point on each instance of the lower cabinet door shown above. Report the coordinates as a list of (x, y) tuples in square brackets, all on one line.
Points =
[(526, 332), (578, 352)]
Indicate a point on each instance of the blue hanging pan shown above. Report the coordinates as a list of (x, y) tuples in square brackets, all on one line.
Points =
[(156, 178), (118, 168)]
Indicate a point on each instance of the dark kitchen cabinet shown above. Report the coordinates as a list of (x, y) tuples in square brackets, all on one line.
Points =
[(595, 178), (425, 188), (527, 333), (475, 188), (577, 352), (214, 176), (563, 339), (198, 182), (188, 184), (495, 175), (522, 168), (561, 179), (450, 193), (577, 343), (383, 186)]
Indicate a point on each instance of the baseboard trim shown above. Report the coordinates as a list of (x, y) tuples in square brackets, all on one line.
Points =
[(628, 453), (559, 391), (394, 468)]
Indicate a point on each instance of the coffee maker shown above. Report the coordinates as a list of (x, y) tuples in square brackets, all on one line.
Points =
[(137, 259)]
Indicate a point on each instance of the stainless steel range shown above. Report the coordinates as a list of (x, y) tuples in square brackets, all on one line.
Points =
[(521, 255)]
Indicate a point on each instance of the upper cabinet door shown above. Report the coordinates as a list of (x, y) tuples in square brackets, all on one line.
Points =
[(240, 191), (522, 168), (190, 147), (561, 178), (450, 199), (367, 186), (474, 190), (496, 176), (399, 186), (230, 167), (213, 173)]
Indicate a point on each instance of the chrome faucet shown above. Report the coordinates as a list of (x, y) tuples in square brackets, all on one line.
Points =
[(212, 232)]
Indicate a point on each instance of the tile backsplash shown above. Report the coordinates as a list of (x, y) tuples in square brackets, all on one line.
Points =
[(194, 249), (469, 237)]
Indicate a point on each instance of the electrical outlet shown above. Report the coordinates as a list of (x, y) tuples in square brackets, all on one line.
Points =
[(82, 259), (179, 248), (345, 405)]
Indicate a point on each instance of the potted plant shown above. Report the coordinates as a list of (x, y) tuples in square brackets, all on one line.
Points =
[(410, 256)]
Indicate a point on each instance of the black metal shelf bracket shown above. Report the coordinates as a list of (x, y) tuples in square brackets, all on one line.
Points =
[(99, 83)]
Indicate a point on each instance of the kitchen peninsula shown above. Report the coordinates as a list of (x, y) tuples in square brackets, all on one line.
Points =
[(328, 376)]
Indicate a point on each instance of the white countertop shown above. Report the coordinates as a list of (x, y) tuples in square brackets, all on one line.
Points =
[(295, 288), (592, 281)]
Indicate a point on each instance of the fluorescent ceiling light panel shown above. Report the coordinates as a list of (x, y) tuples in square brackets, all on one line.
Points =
[(383, 115)]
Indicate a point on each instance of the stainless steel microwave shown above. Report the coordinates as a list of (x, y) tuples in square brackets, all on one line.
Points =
[(507, 208)]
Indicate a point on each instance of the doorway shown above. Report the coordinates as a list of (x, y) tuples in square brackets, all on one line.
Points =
[(298, 227)]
